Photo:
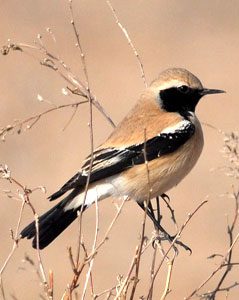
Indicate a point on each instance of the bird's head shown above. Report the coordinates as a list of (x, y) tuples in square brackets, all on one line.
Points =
[(178, 90)]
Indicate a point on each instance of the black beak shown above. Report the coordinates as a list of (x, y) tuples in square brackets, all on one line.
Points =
[(204, 92)]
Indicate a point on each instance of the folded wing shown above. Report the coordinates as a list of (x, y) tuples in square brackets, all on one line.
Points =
[(105, 162)]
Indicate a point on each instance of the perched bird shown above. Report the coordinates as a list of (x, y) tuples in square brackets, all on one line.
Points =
[(162, 128)]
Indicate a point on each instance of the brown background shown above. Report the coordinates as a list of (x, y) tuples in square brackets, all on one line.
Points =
[(202, 36)]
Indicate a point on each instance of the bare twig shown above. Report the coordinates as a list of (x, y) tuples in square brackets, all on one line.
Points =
[(125, 32), (106, 235), (166, 291), (140, 247), (223, 262), (71, 118), (14, 247), (31, 121), (125, 283), (24, 196), (93, 250), (54, 63), (110, 290), (80, 215), (190, 216), (152, 268), (78, 45), (77, 270), (231, 150), (51, 285)]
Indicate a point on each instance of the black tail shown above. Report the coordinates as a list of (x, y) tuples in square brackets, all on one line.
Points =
[(51, 224)]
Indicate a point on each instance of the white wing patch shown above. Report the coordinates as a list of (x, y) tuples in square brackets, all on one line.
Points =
[(182, 125)]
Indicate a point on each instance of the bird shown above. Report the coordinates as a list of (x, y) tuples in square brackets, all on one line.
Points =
[(161, 129)]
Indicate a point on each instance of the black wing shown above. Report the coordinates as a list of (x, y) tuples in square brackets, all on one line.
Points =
[(110, 161)]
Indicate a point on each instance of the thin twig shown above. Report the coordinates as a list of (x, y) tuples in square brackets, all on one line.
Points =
[(80, 215), (24, 196), (190, 216), (152, 268), (110, 290), (71, 118), (231, 150), (137, 263), (126, 280), (78, 45), (50, 61), (166, 291), (35, 118), (93, 249), (224, 260), (14, 247), (77, 270), (51, 285), (106, 235), (125, 32)]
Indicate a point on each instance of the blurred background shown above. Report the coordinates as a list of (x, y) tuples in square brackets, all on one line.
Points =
[(202, 36)]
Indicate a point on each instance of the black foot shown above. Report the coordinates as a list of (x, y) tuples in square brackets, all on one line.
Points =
[(163, 235)]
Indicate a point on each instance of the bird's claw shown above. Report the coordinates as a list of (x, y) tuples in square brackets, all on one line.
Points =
[(164, 236), (165, 197)]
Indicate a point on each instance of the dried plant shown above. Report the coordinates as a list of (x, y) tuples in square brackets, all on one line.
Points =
[(227, 264), (82, 258)]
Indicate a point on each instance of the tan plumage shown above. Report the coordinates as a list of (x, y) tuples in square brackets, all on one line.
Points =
[(164, 172), (164, 123), (146, 114), (142, 119)]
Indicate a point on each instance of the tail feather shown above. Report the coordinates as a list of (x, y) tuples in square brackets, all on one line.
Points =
[(76, 181), (52, 223)]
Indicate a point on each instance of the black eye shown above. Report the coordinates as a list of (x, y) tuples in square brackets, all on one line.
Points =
[(184, 89)]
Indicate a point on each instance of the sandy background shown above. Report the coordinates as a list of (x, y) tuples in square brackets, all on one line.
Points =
[(202, 36)]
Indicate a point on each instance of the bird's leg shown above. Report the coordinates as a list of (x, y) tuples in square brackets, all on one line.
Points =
[(166, 199), (151, 211), (164, 234), (150, 214), (159, 216)]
